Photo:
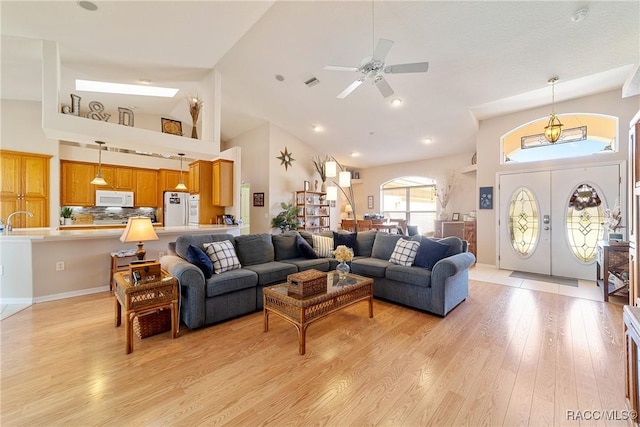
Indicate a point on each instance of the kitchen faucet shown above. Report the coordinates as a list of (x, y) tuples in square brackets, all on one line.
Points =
[(9, 226)]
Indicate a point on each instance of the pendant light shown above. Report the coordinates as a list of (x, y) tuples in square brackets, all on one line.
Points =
[(99, 180), (553, 130), (181, 185)]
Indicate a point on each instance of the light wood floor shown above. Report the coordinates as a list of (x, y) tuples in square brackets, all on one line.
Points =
[(505, 356)]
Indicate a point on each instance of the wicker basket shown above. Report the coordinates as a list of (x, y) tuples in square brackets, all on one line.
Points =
[(305, 283), (152, 323)]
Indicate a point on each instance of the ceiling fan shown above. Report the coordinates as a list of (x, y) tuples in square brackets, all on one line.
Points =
[(374, 68)]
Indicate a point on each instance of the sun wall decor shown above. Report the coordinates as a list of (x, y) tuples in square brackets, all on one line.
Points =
[(285, 158)]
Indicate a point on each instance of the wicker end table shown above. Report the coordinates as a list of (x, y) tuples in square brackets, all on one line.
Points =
[(138, 299), (302, 311)]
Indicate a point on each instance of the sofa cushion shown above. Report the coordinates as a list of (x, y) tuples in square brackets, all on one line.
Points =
[(370, 267), (404, 253), (273, 272), (230, 281), (384, 245), (305, 248), (183, 241), (285, 245), (323, 246), (430, 252), (320, 264), (307, 236), (346, 239), (223, 255), (455, 245), (411, 275), (254, 249), (197, 257), (364, 242)]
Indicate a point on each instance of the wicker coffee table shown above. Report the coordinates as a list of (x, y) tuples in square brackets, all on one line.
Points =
[(138, 299), (302, 311)]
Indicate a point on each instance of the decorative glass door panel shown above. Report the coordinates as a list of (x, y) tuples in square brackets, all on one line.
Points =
[(585, 222), (523, 222)]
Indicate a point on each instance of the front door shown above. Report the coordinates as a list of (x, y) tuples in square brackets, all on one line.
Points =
[(550, 221)]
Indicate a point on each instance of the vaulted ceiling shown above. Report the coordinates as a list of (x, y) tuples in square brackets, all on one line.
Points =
[(485, 59)]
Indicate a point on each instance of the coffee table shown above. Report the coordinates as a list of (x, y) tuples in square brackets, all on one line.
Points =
[(302, 311)]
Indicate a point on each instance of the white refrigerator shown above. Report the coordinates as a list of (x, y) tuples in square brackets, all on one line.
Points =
[(175, 208)]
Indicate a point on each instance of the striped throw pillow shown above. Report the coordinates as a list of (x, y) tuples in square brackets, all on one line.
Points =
[(223, 256), (323, 246)]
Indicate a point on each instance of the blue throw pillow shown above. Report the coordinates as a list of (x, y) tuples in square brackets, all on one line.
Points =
[(347, 239), (197, 257), (429, 253), (305, 248)]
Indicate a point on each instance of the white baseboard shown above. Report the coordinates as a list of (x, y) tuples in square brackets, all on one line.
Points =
[(16, 301), (486, 265), (71, 294)]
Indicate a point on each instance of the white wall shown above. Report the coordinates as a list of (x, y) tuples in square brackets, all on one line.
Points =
[(488, 145)]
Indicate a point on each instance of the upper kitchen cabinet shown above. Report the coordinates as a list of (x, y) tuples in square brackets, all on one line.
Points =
[(146, 188), (222, 182), (25, 186), (170, 178), (76, 188), (118, 178), (196, 173)]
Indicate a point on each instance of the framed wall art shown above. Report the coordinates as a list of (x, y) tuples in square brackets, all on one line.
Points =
[(455, 216), (258, 199), (370, 202), (486, 197), (173, 127)]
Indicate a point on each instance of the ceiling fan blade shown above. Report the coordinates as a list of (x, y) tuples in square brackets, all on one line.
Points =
[(340, 68), (382, 49), (383, 87), (350, 88), (416, 67)]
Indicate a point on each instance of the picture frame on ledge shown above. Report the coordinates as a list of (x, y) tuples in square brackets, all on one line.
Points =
[(455, 216), (174, 127)]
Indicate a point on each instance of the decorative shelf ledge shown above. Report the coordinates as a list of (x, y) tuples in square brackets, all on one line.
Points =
[(469, 169)]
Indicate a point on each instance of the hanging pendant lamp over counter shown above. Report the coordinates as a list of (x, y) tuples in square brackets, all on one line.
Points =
[(99, 180), (181, 185)]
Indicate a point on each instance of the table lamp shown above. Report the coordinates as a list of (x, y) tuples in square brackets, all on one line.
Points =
[(139, 229)]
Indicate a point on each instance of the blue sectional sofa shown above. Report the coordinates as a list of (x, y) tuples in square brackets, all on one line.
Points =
[(268, 259)]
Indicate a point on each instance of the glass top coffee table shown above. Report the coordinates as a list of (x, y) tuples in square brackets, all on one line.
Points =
[(302, 311)]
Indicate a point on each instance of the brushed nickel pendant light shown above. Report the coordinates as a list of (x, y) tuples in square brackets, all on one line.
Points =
[(181, 185), (99, 180)]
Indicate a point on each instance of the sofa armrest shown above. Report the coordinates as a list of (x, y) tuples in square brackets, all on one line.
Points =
[(451, 266), (192, 289)]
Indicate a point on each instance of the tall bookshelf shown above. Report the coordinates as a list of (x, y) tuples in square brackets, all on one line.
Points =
[(313, 211)]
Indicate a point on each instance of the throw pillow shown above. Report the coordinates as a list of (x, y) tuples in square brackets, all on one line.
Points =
[(404, 253), (197, 257), (347, 239), (305, 248), (429, 253), (223, 255), (323, 246)]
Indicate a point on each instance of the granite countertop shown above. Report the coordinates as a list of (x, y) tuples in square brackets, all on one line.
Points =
[(49, 234)]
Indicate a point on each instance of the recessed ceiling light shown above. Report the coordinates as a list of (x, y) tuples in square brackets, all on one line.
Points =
[(87, 5), (279, 78), (580, 15), (125, 89), (428, 140), (317, 128), (396, 102), (355, 154), (144, 81)]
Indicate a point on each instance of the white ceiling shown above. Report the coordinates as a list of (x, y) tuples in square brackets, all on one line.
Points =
[(486, 58)]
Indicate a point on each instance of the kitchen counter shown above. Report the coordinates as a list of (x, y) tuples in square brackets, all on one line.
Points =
[(44, 264), (120, 225)]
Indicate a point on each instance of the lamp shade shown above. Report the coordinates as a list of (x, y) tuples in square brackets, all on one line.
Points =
[(348, 209), (331, 169), (138, 229), (344, 179), (332, 192)]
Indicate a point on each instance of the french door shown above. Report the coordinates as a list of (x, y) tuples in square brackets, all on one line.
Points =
[(550, 221)]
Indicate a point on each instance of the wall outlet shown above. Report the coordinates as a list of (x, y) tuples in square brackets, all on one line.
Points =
[(60, 266), (1, 270), (160, 255)]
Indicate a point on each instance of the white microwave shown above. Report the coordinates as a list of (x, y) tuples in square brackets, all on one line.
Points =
[(123, 199)]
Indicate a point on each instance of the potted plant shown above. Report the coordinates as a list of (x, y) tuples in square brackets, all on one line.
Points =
[(287, 219), (66, 212)]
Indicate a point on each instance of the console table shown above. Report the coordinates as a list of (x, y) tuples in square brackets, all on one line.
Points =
[(469, 232), (612, 259)]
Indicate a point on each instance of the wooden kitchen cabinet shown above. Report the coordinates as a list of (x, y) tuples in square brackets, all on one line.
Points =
[(146, 188), (201, 183), (633, 223), (24, 186), (118, 178), (195, 175), (76, 188), (222, 182)]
